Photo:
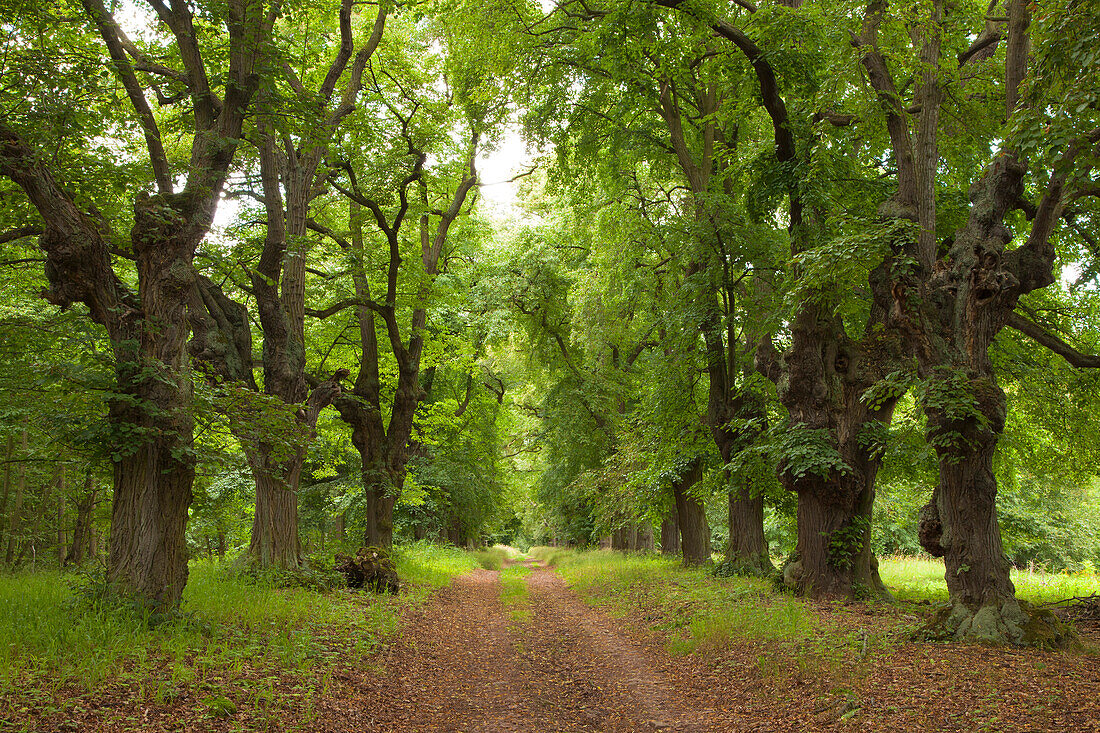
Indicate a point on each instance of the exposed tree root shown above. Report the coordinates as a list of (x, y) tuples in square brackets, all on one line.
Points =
[(1012, 622)]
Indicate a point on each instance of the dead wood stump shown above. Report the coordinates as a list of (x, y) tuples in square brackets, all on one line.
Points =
[(371, 568)]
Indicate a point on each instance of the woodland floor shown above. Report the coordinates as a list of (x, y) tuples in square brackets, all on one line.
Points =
[(464, 662)]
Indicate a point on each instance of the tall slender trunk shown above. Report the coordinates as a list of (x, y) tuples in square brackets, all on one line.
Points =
[(670, 533), (61, 472), (17, 505), (736, 416), (9, 455), (81, 546)]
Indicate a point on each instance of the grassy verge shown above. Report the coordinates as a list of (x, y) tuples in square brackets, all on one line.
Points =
[(922, 579), (239, 648), (701, 612), (513, 593), (493, 558)]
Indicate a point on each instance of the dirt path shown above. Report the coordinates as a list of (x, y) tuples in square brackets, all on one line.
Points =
[(463, 664)]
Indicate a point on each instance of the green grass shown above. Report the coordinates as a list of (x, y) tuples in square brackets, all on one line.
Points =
[(701, 612), (235, 635), (922, 579), (423, 563), (550, 556), (513, 592), (493, 558)]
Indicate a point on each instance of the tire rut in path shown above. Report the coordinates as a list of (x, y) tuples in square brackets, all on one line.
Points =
[(462, 665)]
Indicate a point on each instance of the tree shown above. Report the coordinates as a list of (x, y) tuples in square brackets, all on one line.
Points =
[(150, 410), (278, 282), (950, 299), (821, 378)]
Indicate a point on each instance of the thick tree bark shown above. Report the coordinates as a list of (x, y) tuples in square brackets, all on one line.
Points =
[(747, 547), (970, 298), (692, 516), (960, 525), (381, 499), (670, 533), (950, 308), (148, 554), (824, 377), (274, 542)]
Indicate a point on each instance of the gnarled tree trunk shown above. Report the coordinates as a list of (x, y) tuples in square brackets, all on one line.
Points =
[(822, 381), (971, 296)]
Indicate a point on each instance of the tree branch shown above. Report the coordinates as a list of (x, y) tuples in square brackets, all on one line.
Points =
[(1048, 340), (13, 234), (109, 31)]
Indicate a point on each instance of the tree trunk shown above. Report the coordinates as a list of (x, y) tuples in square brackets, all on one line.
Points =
[(827, 376), (339, 527), (748, 548), (81, 546), (736, 416), (454, 532), (274, 542), (670, 533), (964, 301), (147, 557), (61, 515), (379, 530), (692, 516), (9, 455), (17, 504), (960, 525), (643, 537)]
